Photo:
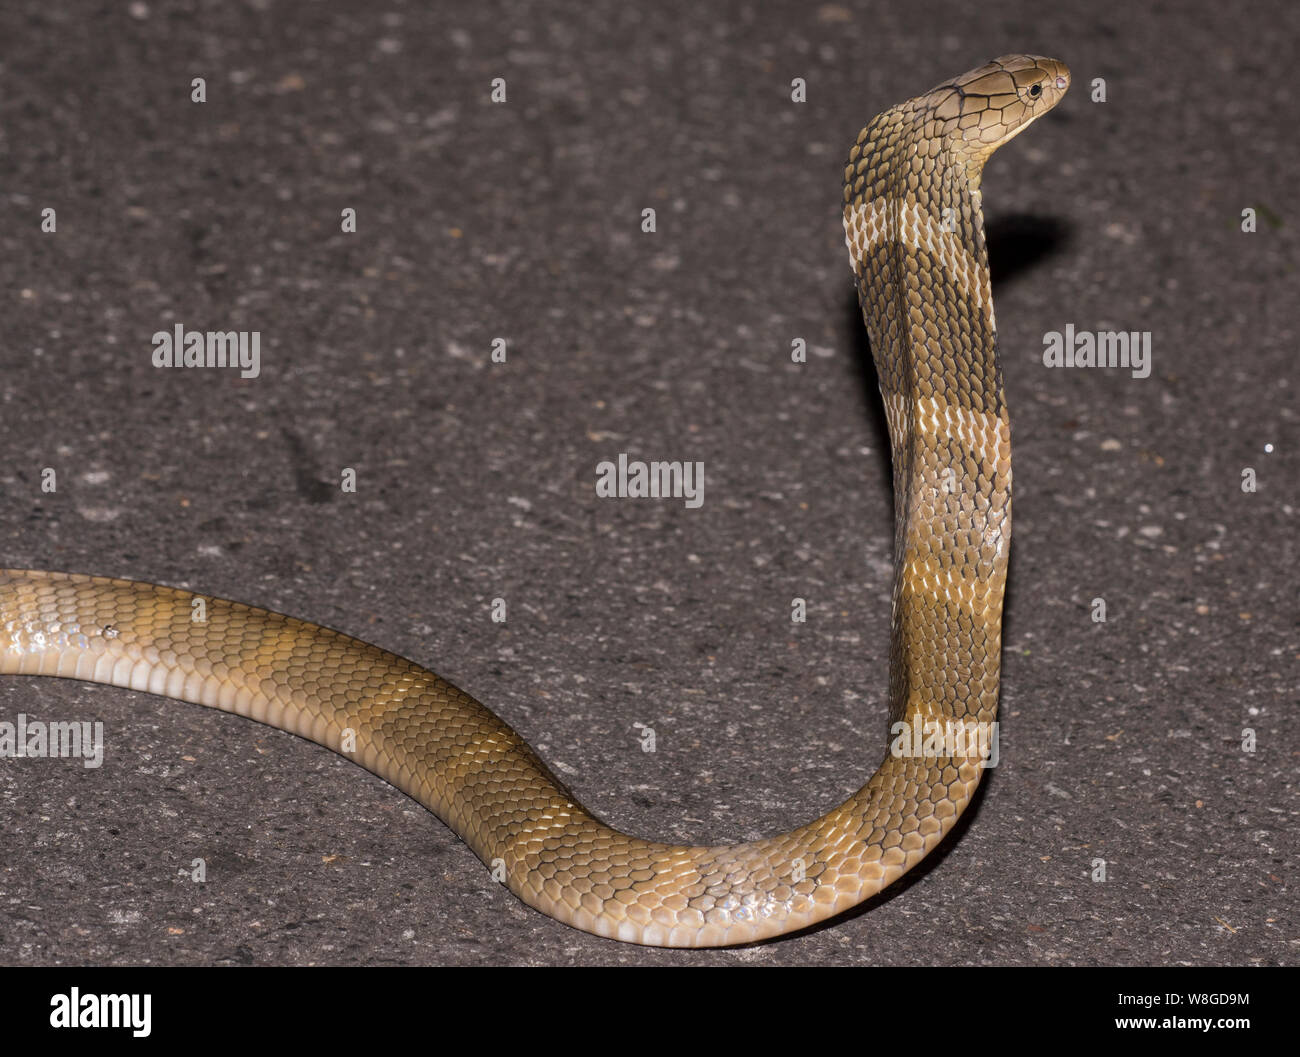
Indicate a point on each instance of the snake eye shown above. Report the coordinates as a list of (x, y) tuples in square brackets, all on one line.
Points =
[(1035, 90)]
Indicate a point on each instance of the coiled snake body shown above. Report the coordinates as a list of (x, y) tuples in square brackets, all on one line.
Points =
[(915, 234)]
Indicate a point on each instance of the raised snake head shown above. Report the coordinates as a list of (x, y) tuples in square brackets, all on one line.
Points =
[(976, 113)]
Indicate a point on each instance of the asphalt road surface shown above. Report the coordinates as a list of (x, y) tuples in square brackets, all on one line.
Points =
[(1144, 807)]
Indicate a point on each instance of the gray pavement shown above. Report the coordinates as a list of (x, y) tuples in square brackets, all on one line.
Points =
[(1121, 741)]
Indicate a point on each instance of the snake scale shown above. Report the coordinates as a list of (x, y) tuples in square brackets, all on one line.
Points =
[(914, 228)]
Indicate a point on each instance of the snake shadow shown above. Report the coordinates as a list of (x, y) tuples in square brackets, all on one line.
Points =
[(1016, 243)]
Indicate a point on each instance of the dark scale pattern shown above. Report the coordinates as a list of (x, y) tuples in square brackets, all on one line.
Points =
[(915, 235)]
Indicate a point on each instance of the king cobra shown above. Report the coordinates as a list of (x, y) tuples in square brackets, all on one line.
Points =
[(915, 232)]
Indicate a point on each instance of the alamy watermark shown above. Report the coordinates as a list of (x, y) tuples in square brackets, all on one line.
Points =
[(946, 739), (57, 740), (93, 1010), (1098, 348), (635, 479), (212, 348)]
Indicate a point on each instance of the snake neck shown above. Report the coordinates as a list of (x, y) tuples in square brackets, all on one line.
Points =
[(915, 230)]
